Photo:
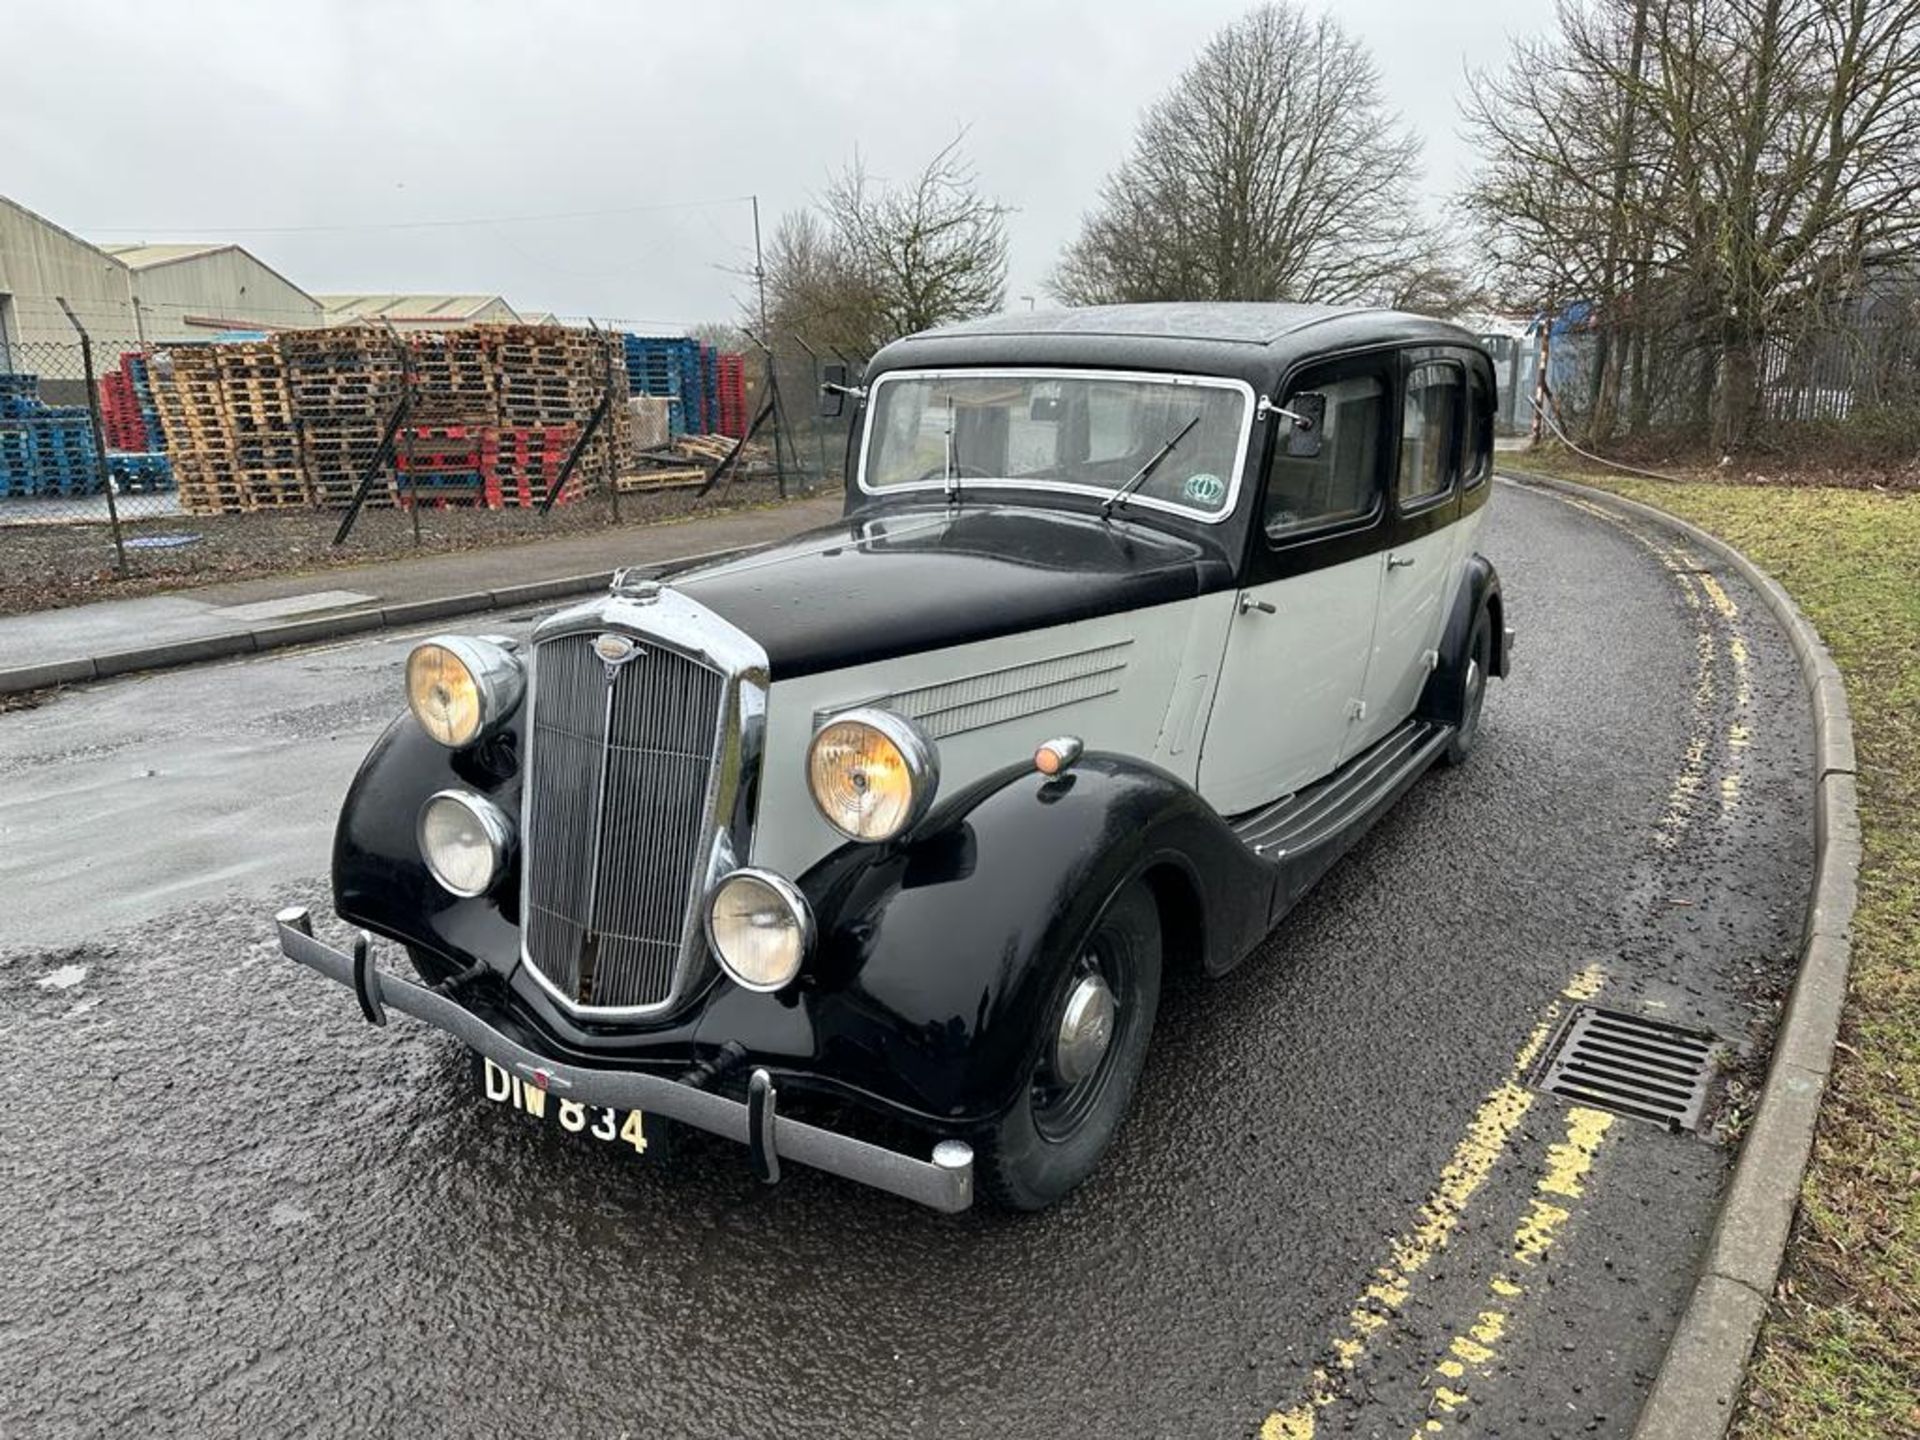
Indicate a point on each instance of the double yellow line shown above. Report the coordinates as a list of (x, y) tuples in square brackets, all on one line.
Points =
[(1473, 1349), (1473, 1160)]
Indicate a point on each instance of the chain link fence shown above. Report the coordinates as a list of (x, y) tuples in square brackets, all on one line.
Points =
[(1837, 377), (129, 466)]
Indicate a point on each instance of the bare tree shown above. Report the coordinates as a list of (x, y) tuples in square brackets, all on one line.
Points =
[(933, 250), (817, 290), (721, 335), (1272, 170), (1711, 174), (876, 261)]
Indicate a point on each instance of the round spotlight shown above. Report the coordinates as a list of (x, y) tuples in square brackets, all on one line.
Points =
[(760, 928), (465, 840)]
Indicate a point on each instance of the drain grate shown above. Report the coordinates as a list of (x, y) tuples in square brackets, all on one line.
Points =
[(1632, 1066)]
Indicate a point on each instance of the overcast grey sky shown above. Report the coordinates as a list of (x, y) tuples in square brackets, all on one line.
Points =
[(258, 122)]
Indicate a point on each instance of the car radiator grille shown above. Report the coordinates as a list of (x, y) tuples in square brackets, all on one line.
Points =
[(618, 766)]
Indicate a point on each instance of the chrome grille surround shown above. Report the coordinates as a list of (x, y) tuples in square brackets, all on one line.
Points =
[(633, 810)]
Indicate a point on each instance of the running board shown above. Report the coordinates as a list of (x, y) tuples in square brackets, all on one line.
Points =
[(1352, 795)]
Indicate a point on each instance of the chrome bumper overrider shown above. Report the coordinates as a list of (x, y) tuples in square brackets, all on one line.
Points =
[(943, 1183)]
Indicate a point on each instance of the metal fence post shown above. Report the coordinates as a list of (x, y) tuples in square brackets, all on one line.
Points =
[(609, 472), (99, 437), (813, 407), (403, 352)]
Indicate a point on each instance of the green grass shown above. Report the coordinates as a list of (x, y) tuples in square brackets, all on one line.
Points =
[(1840, 1354)]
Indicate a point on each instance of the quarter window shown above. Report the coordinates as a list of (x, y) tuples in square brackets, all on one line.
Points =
[(1430, 431), (1342, 481), (1480, 430)]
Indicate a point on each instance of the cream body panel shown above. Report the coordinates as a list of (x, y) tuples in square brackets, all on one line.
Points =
[(1287, 684), (1109, 680)]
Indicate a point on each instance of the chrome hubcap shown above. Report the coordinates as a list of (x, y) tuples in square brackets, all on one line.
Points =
[(1086, 1030)]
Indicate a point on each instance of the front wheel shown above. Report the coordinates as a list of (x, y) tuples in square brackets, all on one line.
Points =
[(1077, 1091)]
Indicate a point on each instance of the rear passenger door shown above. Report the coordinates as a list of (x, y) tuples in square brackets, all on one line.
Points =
[(1417, 570), (1295, 665)]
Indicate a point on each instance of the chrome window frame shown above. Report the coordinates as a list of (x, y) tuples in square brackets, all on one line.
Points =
[(670, 620), (1047, 372)]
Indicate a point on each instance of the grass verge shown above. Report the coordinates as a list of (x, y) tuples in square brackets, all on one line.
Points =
[(1840, 1354)]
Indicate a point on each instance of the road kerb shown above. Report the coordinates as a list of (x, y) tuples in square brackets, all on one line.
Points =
[(1701, 1377), (42, 677), (222, 646)]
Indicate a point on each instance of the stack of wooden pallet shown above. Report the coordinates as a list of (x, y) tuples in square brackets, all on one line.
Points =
[(264, 455), (495, 412), (455, 372), (345, 384), (229, 425), (548, 380)]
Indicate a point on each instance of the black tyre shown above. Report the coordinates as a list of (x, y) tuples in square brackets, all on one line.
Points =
[(1473, 690), (1056, 1132)]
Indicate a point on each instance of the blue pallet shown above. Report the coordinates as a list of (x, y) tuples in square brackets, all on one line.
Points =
[(140, 470), (669, 366)]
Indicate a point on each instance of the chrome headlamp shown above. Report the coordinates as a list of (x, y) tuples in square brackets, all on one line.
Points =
[(760, 928), (462, 690), (466, 841), (872, 773)]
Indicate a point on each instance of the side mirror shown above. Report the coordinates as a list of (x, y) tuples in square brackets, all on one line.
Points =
[(1044, 407), (833, 391), (1309, 414)]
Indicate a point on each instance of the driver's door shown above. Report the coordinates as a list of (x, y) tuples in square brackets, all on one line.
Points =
[(1294, 672)]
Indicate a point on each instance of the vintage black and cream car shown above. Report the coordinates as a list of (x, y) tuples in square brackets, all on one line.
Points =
[(1136, 618)]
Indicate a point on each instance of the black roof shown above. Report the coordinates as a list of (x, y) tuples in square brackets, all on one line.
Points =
[(1212, 337)]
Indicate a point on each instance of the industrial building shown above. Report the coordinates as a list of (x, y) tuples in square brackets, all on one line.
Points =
[(138, 295), (419, 312), (129, 295), (186, 290)]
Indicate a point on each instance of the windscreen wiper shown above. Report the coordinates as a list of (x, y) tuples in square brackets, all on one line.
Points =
[(1139, 477)]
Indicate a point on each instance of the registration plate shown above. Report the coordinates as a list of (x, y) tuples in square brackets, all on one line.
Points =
[(621, 1127)]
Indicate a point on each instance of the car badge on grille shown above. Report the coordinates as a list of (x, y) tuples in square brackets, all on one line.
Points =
[(615, 649)]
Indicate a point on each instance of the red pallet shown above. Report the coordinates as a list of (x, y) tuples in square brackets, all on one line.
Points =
[(731, 374), (120, 417)]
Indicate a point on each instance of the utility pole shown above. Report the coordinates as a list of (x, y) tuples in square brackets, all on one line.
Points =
[(759, 266)]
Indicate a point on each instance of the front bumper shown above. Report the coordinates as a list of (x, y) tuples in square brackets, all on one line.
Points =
[(944, 1183)]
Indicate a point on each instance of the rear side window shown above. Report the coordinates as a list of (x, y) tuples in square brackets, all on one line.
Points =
[(1480, 408), (1430, 431), (1342, 482)]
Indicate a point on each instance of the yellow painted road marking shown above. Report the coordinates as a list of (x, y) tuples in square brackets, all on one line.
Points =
[(1564, 1176), (1695, 582), (1472, 1161)]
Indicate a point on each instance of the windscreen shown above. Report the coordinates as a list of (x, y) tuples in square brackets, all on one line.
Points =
[(1052, 430)]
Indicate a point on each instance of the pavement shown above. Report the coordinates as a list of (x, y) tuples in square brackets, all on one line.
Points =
[(1340, 1207), (113, 637)]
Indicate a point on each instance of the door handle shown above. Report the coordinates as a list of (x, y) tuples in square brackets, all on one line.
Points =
[(1399, 562), (1249, 602)]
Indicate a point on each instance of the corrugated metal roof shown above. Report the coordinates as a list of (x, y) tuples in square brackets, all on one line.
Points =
[(409, 307), (141, 257)]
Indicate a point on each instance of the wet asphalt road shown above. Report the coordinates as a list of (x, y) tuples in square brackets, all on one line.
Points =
[(235, 1209)]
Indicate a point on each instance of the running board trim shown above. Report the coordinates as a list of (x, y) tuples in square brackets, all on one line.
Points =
[(1353, 793)]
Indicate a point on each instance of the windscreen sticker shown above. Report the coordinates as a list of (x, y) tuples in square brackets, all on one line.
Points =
[(1205, 488)]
